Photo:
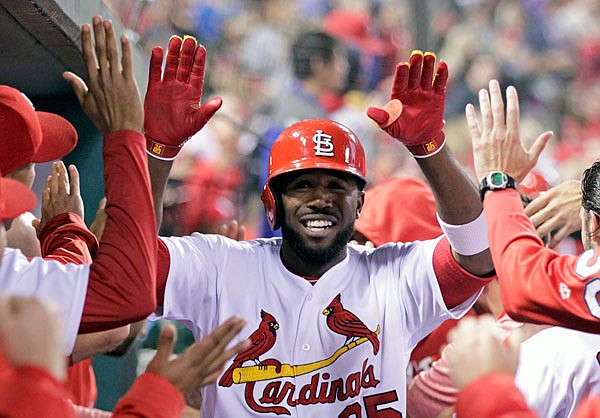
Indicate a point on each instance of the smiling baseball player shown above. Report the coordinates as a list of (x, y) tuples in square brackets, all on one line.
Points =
[(332, 325)]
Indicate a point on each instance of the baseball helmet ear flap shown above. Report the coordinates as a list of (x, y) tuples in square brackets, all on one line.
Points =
[(309, 144), (273, 207)]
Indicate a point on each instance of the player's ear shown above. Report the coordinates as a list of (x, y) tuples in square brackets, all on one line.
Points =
[(360, 202), (594, 227)]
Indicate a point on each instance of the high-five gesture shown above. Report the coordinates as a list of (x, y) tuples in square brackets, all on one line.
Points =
[(112, 99), (172, 106), (415, 113), (497, 144)]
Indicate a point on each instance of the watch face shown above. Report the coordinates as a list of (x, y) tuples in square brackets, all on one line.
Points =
[(497, 179)]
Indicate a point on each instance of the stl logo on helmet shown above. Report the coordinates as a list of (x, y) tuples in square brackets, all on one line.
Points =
[(323, 145)]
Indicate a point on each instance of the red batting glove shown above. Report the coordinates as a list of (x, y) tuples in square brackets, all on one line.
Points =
[(415, 113), (172, 111)]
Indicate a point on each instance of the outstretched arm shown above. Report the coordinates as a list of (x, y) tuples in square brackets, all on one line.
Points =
[(538, 285), (121, 286), (414, 116)]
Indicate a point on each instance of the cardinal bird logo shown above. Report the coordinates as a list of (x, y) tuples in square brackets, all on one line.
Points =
[(345, 323), (262, 341)]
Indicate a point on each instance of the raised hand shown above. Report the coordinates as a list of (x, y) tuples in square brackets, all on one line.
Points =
[(497, 144), (233, 229), (60, 195), (202, 362), (172, 106), (476, 349), (415, 113), (111, 99)]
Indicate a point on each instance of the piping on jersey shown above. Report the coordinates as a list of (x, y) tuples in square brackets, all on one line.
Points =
[(260, 373)]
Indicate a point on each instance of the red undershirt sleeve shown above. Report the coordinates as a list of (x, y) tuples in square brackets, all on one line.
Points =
[(121, 287), (456, 284), (474, 401), (33, 392), (151, 396)]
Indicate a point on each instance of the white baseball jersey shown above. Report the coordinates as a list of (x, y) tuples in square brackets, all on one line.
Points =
[(65, 285), (558, 367), (391, 293)]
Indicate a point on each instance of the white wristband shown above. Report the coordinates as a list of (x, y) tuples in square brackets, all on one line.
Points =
[(467, 239)]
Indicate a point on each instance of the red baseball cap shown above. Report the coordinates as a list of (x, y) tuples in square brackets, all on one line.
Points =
[(27, 135), (398, 210), (15, 198)]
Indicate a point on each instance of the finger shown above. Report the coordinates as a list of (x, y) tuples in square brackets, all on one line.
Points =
[(112, 52), (54, 187), (172, 58), (155, 71), (241, 235), (428, 71), (165, 345), (536, 205), (441, 77), (74, 175), (186, 59), (216, 364), (77, 84), (213, 345), (400, 83), (512, 113), (126, 59), (486, 112), (538, 146), (198, 68), (63, 178), (497, 107), (89, 55), (472, 123), (206, 111), (558, 236), (416, 66), (100, 44)]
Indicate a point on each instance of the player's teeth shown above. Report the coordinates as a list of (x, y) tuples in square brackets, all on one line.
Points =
[(318, 224)]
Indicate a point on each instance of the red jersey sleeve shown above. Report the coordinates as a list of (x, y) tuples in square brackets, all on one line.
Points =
[(151, 396), (28, 392), (67, 239), (121, 285), (474, 401), (538, 284)]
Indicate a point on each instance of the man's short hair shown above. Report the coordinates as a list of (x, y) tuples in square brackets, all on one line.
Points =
[(308, 46)]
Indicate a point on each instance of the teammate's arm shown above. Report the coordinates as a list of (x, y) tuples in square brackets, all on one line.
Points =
[(121, 287), (538, 285)]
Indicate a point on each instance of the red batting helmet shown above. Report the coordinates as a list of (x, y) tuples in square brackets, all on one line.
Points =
[(312, 143)]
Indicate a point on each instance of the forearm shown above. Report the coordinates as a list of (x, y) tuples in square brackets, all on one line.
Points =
[(122, 278), (159, 174), (89, 345), (457, 203)]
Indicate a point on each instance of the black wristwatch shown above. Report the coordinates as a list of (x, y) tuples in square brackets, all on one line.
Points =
[(496, 180)]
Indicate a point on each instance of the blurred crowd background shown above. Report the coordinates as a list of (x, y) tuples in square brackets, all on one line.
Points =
[(548, 49)]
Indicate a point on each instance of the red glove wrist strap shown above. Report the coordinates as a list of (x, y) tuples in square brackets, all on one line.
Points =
[(162, 151), (429, 148)]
